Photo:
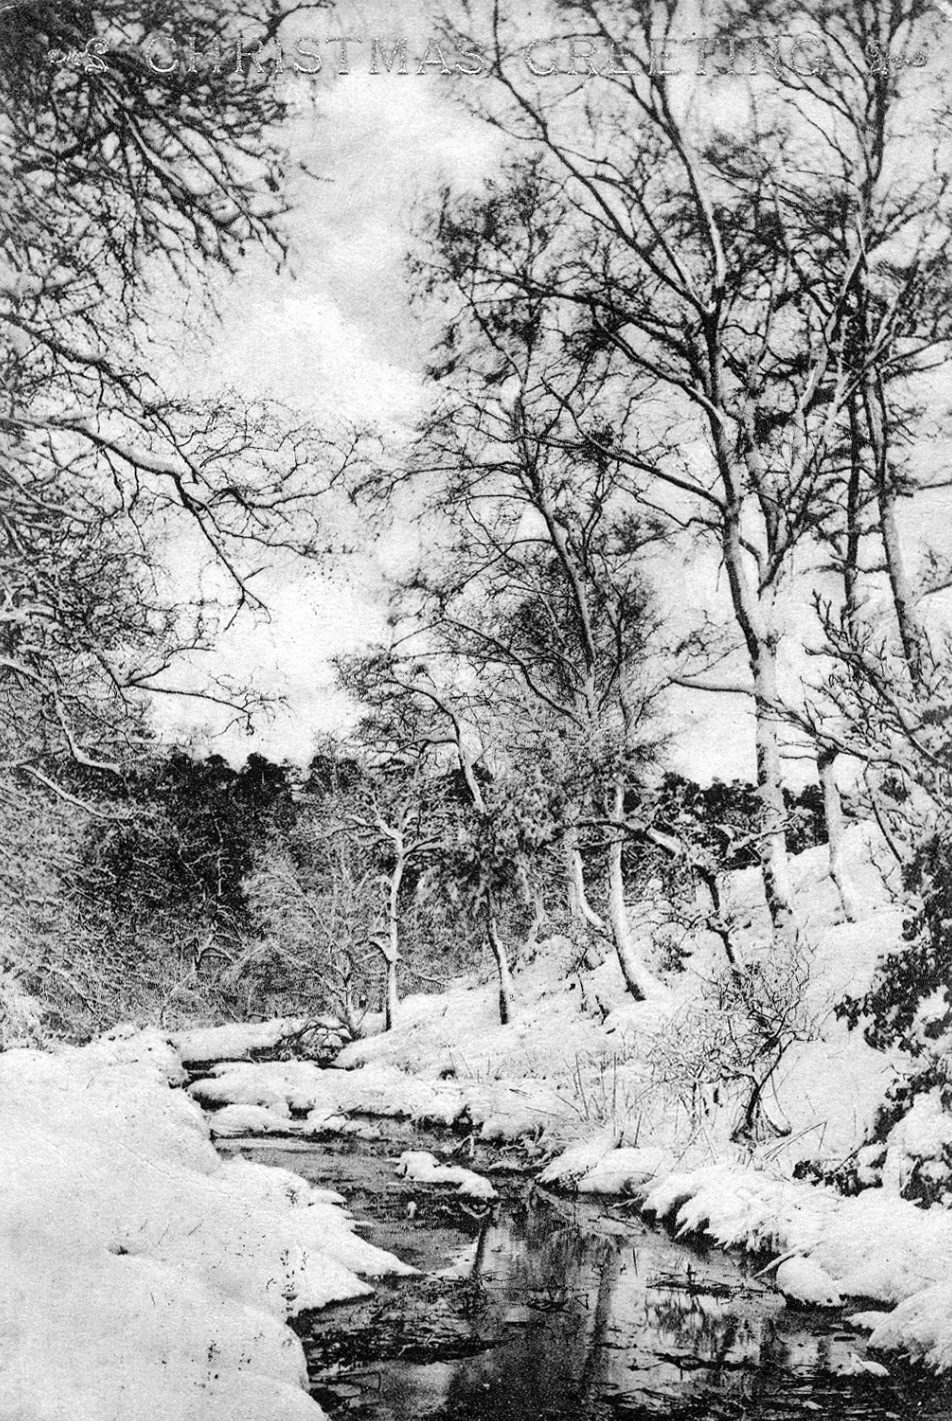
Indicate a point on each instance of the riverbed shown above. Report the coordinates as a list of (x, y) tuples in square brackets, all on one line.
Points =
[(543, 1308)]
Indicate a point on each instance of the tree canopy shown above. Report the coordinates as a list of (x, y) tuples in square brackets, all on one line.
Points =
[(126, 183)]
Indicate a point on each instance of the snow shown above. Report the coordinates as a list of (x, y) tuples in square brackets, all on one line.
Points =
[(625, 1171), (420, 1167), (500, 1110), (925, 1130), (573, 1076), (250, 1120), (597, 1166), (331, 1122), (142, 1274), (921, 1326), (575, 1163), (831, 1236), (806, 1282), (235, 1041)]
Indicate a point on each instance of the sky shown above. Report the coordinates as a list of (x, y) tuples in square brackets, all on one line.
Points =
[(337, 336)]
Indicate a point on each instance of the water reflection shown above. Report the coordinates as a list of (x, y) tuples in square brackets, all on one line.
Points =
[(568, 1311)]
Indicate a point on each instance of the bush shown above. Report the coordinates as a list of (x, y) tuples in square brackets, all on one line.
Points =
[(908, 1008), (21, 1015), (894, 1011), (734, 1040)]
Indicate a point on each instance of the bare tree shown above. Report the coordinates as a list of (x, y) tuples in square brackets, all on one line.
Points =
[(482, 827), (702, 272), (890, 221), (127, 180), (540, 597), (313, 913)]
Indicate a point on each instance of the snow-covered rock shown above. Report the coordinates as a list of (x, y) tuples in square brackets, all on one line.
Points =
[(420, 1167), (629, 1170), (234, 1120), (920, 1326), (597, 1166), (579, 1160), (805, 1281)]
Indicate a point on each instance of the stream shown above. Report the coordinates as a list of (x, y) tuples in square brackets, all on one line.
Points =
[(551, 1309)]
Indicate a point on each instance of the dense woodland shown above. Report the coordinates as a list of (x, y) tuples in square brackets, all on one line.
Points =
[(668, 342)]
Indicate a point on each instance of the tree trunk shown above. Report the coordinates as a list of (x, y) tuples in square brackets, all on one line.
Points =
[(392, 998), (753, 607), (390, 948), (580, 911), (833, 816), (900, 585), (638, 980), (392, 953), (352, 1016), (717, 920), (502, 966), (774, 859)]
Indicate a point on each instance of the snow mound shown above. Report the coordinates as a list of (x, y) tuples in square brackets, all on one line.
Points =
[(499, 1110), (598, 1166), (909, 1265), (424, 1168), (575, 1163), (331, 1122), (628, 1170)]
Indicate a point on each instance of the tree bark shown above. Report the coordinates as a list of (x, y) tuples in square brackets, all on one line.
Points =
[(775, 862), (393, 903), (392, 1000), (502, 966), (833, 816), (638, 980), (580, 911), (391, 996), (752, 611), (392, 953), (903, 597)]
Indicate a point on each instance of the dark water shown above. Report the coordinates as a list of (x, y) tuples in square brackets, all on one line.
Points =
[(546, 1309)]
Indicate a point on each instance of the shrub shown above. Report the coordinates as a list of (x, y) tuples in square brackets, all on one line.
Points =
[(733, 1041)]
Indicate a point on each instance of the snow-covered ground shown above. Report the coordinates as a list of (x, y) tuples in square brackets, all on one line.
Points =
[(579, 1057), (143, 1275), (575, 1075)]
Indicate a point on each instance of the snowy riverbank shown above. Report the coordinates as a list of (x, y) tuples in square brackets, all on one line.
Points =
[(573, 1078), (760, 1209), (143, 1275)]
